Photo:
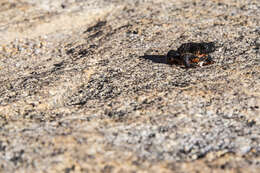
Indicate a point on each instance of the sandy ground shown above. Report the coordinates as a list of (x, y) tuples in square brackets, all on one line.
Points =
[(84, 87)]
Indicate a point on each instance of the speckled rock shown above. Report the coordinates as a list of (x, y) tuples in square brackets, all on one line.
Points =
[(84, 87)]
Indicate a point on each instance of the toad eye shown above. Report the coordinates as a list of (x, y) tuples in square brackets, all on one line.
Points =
[(208, 47)]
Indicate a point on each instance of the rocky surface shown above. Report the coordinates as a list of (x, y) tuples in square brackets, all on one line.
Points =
[(84, 87)]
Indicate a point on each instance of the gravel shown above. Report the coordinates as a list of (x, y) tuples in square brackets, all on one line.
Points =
[(84, 87)]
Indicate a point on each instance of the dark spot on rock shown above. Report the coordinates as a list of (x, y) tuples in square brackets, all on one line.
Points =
[(18, 157), (115, 114), (152, 135), (70, 51), (96, 27), (163, 129), (107, 169), (95, 35), (83, 52), (250, 123), (2, 146), (63, 6), (68, 170), (59, 64)]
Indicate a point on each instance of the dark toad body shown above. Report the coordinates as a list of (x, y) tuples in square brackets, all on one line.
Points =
[(192, 54)]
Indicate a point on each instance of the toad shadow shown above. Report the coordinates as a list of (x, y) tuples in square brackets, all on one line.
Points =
[(155, 58)]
